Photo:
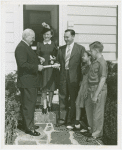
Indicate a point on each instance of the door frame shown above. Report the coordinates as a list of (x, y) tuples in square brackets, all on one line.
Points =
[(62, 21)]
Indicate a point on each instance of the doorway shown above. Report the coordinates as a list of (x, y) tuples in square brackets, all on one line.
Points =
[(35, 15)]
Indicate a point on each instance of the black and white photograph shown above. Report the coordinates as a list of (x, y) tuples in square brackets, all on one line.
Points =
[(59, 74)]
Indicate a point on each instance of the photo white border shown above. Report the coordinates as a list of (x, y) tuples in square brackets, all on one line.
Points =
[(2, 63)]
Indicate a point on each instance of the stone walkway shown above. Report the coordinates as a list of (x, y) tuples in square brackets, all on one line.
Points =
[(50, 133)]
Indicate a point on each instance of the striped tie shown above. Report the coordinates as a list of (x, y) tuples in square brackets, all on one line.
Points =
[(67, 58)]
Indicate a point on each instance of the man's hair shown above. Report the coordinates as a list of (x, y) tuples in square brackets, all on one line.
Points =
[(26, 33), (71, 31), (97, 45)]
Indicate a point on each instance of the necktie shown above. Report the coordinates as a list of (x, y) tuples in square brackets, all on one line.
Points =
[(67, 58)]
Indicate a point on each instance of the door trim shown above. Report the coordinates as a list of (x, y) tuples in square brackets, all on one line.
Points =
[(62, 23)]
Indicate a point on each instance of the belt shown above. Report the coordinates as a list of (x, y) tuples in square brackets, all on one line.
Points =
[(93, 84), (93, 87)]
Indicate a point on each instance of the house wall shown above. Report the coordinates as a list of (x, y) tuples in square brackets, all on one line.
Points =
[(95, 23), (13, 34), (91, 23)]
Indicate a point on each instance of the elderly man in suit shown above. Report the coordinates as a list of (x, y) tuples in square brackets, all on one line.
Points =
[(28, 79), (70, 59)]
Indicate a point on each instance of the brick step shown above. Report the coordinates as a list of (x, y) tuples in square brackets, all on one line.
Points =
[(50, 117), (41, 118), (55, 92)]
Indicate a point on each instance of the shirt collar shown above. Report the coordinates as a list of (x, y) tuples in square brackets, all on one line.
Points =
[(71, 45), (47, 42), (99, 59), (25, 42)]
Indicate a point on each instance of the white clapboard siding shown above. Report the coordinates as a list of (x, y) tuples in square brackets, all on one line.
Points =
[(9, 8), (95, 29), (91, 38), (92, 20), (95, 5), (110, 56), (9, 47), (107, 47), (10, 57), (10, 17), (9, 37), (94, 23), (9, 27), (10, 66), (91, 11), (13, 33)]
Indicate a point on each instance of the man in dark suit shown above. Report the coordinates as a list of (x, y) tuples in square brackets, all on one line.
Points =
[(70, 59), (28, 79)]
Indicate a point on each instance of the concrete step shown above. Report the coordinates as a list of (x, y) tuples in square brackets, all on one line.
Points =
[(41, 118)]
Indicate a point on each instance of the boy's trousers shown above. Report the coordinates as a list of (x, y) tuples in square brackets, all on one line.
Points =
[(95, 111)]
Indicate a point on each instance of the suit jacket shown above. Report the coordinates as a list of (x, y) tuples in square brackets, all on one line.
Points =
[(27, 66), (75, 66)]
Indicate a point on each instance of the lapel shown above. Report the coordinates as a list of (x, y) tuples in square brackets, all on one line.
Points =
[(64, 51), (73, 51)]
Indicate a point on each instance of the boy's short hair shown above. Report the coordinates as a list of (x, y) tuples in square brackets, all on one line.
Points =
[(71, 31), (97, 45)]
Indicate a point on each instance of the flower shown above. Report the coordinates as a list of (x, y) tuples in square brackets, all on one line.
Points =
[(45, 25), (52, 57)]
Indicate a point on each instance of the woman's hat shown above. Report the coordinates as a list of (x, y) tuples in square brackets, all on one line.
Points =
[(46, 28)]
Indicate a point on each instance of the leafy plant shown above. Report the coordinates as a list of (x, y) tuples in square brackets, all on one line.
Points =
[(110, 117), (12, 107)]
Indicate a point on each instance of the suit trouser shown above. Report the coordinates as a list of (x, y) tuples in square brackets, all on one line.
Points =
[(28, 103), (95, 112), (71, 95)]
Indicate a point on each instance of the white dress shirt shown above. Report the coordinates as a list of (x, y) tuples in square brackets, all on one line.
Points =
[(71, 47), (47, 42)]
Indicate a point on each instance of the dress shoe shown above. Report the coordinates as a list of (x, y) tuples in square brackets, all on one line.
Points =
[(32, 132), (44, 110), (70, 126), (84, 131), (76, 128), (87, 134), (21, 127), (36, 127)]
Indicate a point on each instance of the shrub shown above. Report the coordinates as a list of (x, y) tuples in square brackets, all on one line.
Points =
[(12, 108), (110, 117)]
